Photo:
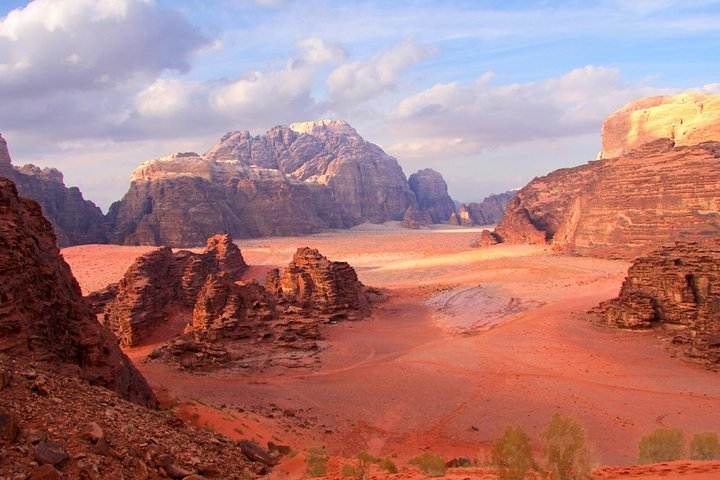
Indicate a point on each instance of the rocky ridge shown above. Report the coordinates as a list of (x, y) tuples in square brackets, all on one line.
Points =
[(61, 427), (625, 206), (160, 283), (75, 220), (291, 181), (676, 291), (43, 316)]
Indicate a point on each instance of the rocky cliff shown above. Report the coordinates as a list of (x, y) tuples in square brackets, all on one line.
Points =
[(161, 282), (43, 316), (677, 291), (75, 220), (291, 181), (652, 194), (491, 210), (431, 194)]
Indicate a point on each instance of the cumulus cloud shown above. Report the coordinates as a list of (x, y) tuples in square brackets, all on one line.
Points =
[(465, 119), (54, 45), (358, 81)]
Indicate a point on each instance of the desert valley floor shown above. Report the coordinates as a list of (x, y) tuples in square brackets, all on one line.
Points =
[(469, 341)]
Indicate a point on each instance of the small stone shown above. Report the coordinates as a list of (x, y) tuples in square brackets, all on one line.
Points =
[(4, 379), (90, 471), (9, 428), (177, 472), (92, 432), (256, 453), (45, 472), (164, 460), (50, 453)]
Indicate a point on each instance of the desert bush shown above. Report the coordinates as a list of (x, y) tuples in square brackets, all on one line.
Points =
[(387, 464), (662, 445), (317, 462), (705, 446), (512, 454), (566, 450), (431, 465)]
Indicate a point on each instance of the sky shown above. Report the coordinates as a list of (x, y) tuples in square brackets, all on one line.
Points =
[(488, 93)]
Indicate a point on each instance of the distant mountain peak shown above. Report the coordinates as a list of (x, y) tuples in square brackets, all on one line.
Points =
[(318, 127)]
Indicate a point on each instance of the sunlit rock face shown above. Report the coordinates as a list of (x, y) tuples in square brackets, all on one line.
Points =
[(291, 181), (688, 119), (648, 191), (432, 196)]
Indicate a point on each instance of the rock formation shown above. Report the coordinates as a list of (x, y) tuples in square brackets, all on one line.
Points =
[(75, 220), (463, 216), (161, 282), (676, 290), (687, 119), (43, 316), (416, 219), (313, 282), (431, 194), (625, 206), (291, 181), (490, 211)]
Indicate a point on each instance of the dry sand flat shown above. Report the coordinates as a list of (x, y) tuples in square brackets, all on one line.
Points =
[(400, 382)]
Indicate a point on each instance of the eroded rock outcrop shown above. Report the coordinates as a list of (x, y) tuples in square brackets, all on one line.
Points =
[(161, 282), (313, 282), (291, 181), (491, 210), (75, 220), (416, 219), (431, 194), (676, 290), (43, 316), (625, 206)]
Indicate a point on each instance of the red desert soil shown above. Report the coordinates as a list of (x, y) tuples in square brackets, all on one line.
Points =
[(470, 341)]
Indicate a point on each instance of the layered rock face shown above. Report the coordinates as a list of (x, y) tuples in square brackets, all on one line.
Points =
[(291, 181), (161, 282), (431, 194), (416, 219), (43, 316), (75, 220), (675, 289), (624, 206), (313, 282)]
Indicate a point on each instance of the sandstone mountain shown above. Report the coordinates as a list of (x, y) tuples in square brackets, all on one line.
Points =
[(43, 316), (490, 211), (431, 194), (677, 291), (650, 195), (291, 181), (75, 220)]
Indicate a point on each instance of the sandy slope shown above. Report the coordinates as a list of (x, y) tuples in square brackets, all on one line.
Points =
[(413, 378)]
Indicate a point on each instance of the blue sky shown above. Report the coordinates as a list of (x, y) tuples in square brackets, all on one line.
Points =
[(490, 94)]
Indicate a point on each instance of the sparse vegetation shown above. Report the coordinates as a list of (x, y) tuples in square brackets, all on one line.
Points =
[(317, 462), (705, 446), (431, 465), (565, 445), (387, 464), (662, 445), (512, 454)]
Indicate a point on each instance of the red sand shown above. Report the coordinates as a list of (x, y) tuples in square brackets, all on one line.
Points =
[(400, 383)]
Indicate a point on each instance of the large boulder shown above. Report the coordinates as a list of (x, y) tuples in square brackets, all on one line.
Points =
[(43, 316)]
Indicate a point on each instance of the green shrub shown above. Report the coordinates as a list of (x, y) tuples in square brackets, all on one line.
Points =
[(705, 446), (662, 445), (387, 464), (566, 451), (431, 465), (348, 470), (317, 462), (512, 454)]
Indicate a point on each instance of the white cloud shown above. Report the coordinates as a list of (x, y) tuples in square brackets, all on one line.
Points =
[(54, 45), (465, 119), (358, 81)]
